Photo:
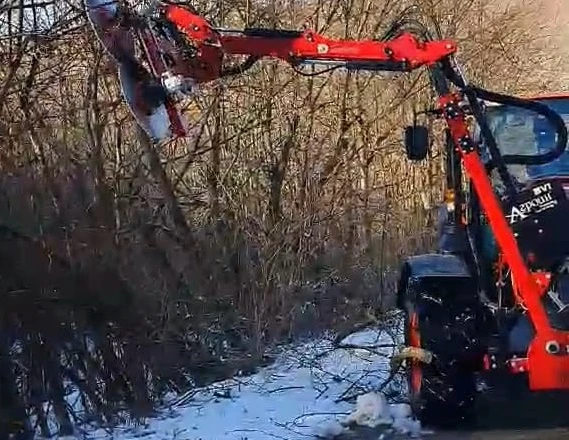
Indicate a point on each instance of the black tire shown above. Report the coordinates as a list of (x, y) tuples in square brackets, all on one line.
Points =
[(444, 396)]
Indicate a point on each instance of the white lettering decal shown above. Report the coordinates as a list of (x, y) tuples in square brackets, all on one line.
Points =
[(542, 201)]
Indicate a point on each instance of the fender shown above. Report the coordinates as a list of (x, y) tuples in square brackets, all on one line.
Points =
[(427, 266)]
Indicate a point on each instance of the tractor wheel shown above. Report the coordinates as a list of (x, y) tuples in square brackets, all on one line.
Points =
[(442, 393)]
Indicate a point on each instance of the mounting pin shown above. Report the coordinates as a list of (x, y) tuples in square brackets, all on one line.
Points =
[(552, 347)]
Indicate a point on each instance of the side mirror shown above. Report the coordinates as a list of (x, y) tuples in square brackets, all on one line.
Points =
[(416, 142)]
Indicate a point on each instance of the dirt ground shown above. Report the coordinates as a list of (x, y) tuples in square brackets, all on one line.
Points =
[(522, 417)]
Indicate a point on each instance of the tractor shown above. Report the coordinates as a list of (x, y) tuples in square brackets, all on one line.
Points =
[(461, 303)]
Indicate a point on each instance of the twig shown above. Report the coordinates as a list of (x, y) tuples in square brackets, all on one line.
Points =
[(315, 414), (364, 347), (263, 432), (384, 384), (276, 390)]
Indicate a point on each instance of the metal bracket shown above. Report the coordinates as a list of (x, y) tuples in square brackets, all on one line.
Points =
[(414, 353), (558, 301)]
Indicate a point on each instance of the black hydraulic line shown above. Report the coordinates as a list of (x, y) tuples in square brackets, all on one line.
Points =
[(499, 161), (478, 113), (438, 80), (552, 116)]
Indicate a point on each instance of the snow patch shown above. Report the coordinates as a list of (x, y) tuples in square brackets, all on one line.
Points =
[(305, 394), (371, 410)]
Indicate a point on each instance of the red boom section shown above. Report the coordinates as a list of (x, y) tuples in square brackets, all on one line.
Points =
[(403, 53), (546, 370), (158, 68), (405, 49)]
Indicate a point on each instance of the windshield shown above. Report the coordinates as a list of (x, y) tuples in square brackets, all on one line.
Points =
[(523, 132)]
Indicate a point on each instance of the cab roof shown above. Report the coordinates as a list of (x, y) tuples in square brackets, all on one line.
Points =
[(544, 97)]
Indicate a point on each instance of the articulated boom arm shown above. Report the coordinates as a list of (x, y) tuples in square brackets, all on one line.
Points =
[(402, 54), (548, 355)]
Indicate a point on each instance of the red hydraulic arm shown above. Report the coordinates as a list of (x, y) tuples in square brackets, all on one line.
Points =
[(404, 53), (548, 355)]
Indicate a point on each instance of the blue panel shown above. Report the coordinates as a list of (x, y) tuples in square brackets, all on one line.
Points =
[(437, 265)]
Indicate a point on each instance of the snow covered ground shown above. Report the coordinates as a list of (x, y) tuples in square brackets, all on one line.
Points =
[(305, 394)]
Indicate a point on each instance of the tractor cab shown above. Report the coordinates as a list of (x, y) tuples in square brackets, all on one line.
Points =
[(526, 140), (538, 211)]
